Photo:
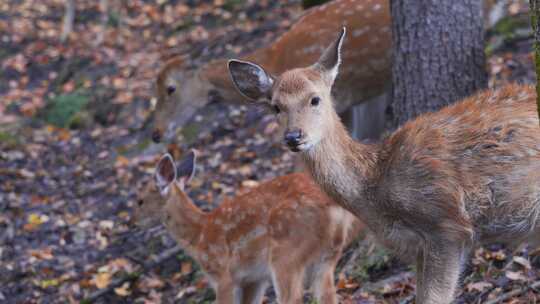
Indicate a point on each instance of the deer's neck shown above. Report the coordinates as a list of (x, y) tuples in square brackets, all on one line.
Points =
[(342, 167), (184, 220), (217, 75)]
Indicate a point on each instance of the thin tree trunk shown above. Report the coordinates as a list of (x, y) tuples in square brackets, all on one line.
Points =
[(104, 8), (535, 22), (69, 18), (438, 52)]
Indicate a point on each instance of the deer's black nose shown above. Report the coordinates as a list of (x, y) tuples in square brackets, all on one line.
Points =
[(292, 138), (156, 136)]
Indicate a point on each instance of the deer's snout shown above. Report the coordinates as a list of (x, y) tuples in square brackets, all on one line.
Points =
[(293, 139), (156, 135)]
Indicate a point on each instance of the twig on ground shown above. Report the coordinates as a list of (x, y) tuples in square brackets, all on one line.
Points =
[(514, 293), (379, 285), (167, 254)]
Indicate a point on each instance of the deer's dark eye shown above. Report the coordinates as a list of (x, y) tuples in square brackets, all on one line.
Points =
[(276, 109), (315, 101), (140, 202), (171, 89)]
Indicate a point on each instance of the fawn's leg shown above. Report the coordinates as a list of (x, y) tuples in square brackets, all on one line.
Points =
[(323, 287), (442, 266), (288, 281), (225, 293), (253, 293)]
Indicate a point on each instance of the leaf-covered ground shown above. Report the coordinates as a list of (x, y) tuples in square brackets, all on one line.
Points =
[(72, 153)]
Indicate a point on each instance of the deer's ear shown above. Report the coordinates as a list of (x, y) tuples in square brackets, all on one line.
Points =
[(251, 80), (186, 168), (165, 173), (328, 63)]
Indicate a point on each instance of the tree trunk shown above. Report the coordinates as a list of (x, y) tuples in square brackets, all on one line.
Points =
[(438, 52), (69, 18), (535, 22)]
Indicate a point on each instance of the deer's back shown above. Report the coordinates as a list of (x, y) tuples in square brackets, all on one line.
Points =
[(238, 233), (471, 167)]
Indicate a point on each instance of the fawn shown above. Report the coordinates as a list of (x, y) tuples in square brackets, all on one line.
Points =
[(443, 182), (180, 92), (281, 232)]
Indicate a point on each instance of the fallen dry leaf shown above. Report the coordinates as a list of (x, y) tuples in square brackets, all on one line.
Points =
[(250, 183), (478, 286), (522, 261), (186, 268), (43, 254), (34, 221), (123, 290), (185, 291), (121, 161), (102, 280), (515, 275)]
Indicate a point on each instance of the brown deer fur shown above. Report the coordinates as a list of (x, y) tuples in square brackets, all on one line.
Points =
[(285, 230), (468, 174), (369, 48)]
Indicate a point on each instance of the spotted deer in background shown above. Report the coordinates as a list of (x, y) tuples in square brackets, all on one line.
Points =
[(443, 182), (182, 91), (363, 80), (284, 231)]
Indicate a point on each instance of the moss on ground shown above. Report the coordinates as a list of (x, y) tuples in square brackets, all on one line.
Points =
[(65, 110)]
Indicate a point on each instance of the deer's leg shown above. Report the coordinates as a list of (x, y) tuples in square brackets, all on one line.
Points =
[(442, 266), (253, 293), (323, 287), (420, 276), (225, 293), (288, 281), (534, 240)]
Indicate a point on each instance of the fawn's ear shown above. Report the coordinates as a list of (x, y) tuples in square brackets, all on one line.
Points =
[(251, 80), (186, 168), (328, 63), (165, 173)]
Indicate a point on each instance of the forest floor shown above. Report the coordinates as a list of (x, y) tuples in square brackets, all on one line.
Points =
[(72, 152)]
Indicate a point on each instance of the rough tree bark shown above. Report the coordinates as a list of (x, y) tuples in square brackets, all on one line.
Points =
[(535, 22), (438, 52)]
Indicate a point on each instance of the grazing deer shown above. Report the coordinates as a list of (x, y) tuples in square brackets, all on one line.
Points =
[(283, 231), (181, 92), (467, 174)]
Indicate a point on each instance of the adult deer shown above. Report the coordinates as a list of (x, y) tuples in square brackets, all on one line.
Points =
[(283, 231), (468, 174), (181, 91)]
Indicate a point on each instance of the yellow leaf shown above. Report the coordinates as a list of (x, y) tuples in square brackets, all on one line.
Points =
[(48, 283), (121, 161), (34, 221), (123, 290), (50, 128), (102, 280), (64, 135), (123, 214)]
